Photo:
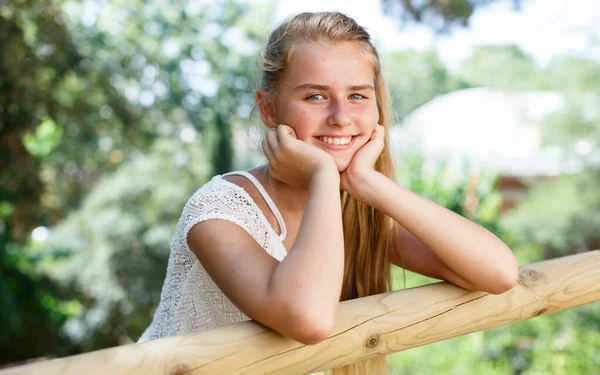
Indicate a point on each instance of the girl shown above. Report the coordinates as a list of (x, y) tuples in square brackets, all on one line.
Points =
[(283, 243)]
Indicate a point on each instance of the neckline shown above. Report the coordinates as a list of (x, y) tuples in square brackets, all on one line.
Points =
[(265, 196)]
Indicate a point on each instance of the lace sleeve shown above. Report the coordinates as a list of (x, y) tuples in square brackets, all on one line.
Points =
[(229, 202)]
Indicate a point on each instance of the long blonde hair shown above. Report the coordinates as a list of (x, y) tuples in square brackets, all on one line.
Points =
[(367, 231)]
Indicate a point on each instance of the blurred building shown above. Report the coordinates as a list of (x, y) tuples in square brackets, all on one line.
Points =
[(493, 130)]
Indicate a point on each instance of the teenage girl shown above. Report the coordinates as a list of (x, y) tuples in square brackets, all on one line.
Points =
[(283, 243)]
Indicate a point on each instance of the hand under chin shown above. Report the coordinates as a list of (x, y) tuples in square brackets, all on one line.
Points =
[(342, 165)]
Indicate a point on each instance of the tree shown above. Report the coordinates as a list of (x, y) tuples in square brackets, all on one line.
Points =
[(441, 15), (504, 67), (82, 98), (560, 216), (43, 76), (116, 245), (34, 306), (570, 223), (42, 81), (416, 77)]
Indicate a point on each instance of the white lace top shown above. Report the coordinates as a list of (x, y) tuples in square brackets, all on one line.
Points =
[(190, 300)]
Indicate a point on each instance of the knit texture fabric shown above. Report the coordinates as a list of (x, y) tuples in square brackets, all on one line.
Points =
[(190, 300)]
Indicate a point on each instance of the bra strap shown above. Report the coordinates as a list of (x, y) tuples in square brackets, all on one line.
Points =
[(267, 199)]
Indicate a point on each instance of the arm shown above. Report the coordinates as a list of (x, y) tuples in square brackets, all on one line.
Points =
[(429, 238), (437, 242), (299, 296)]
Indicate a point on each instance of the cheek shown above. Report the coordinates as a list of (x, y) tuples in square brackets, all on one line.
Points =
[(369, 118), (374, 114), (301, 119)]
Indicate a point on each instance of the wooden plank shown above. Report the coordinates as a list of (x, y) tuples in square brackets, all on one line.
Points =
[(366, 327)]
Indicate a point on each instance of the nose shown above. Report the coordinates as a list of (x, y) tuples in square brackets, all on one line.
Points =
[(339, 114)]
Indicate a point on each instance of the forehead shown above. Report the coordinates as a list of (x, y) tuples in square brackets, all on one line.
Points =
[(343, 63)]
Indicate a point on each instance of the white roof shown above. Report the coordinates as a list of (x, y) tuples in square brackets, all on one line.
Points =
[(492, 129)]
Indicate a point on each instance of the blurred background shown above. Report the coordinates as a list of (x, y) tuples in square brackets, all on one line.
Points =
[(112, 113)]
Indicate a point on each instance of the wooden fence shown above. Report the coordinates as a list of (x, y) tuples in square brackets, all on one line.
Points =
[(365, 327)]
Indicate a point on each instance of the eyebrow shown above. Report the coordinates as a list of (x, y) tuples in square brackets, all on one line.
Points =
[(323, 87)]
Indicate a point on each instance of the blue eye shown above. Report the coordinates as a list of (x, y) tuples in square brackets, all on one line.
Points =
[(314, 97), (357, 96)]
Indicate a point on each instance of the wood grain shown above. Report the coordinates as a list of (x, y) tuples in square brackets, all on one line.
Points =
[(366, 327)]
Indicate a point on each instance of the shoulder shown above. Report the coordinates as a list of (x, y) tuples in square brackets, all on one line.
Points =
[(240, 181), (217, 191), (218, 196), (247, 186), (255, 195), (223, 215), (221, 200)]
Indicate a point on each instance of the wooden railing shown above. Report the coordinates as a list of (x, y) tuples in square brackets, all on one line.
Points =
[(365, 327)]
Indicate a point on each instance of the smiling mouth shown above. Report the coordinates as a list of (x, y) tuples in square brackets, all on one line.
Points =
[(337, 141)]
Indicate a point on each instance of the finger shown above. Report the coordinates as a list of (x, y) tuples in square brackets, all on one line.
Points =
[(372, 149), (378, 132), (273, 142), (285, 133), (267, 149), (373, 135), (380, 136)]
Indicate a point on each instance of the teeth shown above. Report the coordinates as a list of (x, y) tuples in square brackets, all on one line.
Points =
[(335, 140)]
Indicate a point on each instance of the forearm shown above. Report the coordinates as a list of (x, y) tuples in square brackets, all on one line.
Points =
[(310, 276), (466, 248)]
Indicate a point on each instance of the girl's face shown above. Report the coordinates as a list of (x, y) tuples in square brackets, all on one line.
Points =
[(327, 95)]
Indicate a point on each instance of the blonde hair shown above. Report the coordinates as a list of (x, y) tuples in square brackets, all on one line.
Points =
[(367, 231)]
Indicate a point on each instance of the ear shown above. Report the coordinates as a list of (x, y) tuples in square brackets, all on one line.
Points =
[(266, 107)]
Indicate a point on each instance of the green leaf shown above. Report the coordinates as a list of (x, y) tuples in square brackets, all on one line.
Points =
[(44, 139)]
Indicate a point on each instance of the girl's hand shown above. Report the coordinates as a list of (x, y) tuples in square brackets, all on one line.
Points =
[(354, 178), (293, 161)]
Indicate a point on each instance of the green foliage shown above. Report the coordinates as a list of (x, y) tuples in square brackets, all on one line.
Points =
[(112, 82), (34, 307), (415, 78), (44, 140), (115, 248), (560, 217), (473, 195), (470, 194), (573, 74), (565, 226), (82, 96), (562, 343), (504, 67)]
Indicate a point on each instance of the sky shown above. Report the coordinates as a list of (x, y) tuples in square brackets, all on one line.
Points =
[(543, 28)]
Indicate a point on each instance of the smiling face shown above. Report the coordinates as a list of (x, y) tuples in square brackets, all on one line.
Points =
[(327, 95)]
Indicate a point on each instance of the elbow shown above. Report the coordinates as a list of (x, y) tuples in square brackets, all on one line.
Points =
[(505, 279), (311, 328), (312, 334)]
